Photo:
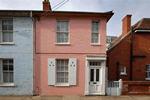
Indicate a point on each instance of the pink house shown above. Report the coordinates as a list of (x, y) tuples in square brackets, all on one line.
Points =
[(69, 52)]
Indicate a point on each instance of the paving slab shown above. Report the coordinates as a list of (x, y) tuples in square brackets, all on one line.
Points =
[(70, 97)]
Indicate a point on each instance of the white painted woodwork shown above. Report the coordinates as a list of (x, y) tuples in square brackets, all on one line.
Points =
[(51, 71), (72, 71)]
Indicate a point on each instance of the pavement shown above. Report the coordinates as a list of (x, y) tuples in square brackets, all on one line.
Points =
[(68, 97)]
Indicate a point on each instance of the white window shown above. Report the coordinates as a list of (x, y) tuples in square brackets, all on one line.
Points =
[(7, 71), (62, 71), (95, 32), (7, 30), (148, 71), (123, 70), (62, 31)]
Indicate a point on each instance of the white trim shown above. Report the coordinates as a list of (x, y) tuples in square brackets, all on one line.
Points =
[(7, 84), (95, 44), (7, 43), (62, 43), (102, 76), (95, 58), (62, 84), (123, 74), (142, 31), (147, 79)]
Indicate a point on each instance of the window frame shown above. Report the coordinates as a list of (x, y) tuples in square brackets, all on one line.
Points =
[(147, 71), (62, 43), (62, 84), (8, 31), (123, 73), (2, 81), (98, 43)]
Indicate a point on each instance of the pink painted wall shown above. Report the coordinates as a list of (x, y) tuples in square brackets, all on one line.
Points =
[(80, 46)]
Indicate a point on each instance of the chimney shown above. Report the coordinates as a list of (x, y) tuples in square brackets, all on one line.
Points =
[(126, 25), (46, 5)]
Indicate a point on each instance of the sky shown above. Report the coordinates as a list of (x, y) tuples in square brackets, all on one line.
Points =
[(138, 8)]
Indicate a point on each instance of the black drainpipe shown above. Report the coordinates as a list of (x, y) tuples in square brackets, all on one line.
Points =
[(131, 53), (117, 70)]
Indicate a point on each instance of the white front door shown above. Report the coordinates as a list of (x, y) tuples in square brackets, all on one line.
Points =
[(94, 84)]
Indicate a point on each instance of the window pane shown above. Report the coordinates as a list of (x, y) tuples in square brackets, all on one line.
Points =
[(10, 22), (62, 80), (62, 68), (4, 24), (66, 80), (122, 69), (62, 75), (66, 68), (92, 75), (97, 74), (5, 37), (11, 77), (58, 68), (58, 74), (5, 77), (147, 68), (11, 61), (147, 74), (58, 80), (66, 74), (5, 67), (11, 67), (10, 27), (5, 62)]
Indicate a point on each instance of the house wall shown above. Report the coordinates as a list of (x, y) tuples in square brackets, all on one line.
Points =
[(80, 46), (22, 53), (121, 54)]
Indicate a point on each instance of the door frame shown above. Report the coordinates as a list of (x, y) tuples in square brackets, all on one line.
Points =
[(102, 74)]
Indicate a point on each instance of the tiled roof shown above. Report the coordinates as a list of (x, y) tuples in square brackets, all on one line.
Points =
[(143, 24)]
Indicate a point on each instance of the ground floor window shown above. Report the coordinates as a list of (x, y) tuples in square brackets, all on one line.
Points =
[(7, 70), (147, 71), (62, 71)]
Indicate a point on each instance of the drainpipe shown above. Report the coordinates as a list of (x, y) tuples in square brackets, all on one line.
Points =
[(131, 53), (117, 70)]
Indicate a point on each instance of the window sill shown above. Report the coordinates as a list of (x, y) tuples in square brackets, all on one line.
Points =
[(123, 74), (7, 85), (95, 44), (62, 43), (7, 43), (147, 79), (61, 84)]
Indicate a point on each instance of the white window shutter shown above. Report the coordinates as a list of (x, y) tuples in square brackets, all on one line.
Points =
[(51, 71), (72, 71)]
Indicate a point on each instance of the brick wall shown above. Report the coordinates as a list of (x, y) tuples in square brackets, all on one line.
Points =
[(135, 87), (121, 54)]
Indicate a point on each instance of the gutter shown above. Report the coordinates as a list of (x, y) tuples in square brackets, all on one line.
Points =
[(142, 31), (131, 53)]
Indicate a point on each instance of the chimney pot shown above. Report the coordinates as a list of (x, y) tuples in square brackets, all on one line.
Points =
[(126, 25)]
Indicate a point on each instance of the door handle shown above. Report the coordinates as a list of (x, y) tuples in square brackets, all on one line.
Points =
[(94, 82)]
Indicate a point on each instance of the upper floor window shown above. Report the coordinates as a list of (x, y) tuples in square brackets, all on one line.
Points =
[(62, 31), (7, 30), (95, 32)]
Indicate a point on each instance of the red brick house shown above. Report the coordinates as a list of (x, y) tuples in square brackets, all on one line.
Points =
[(128, 57)]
